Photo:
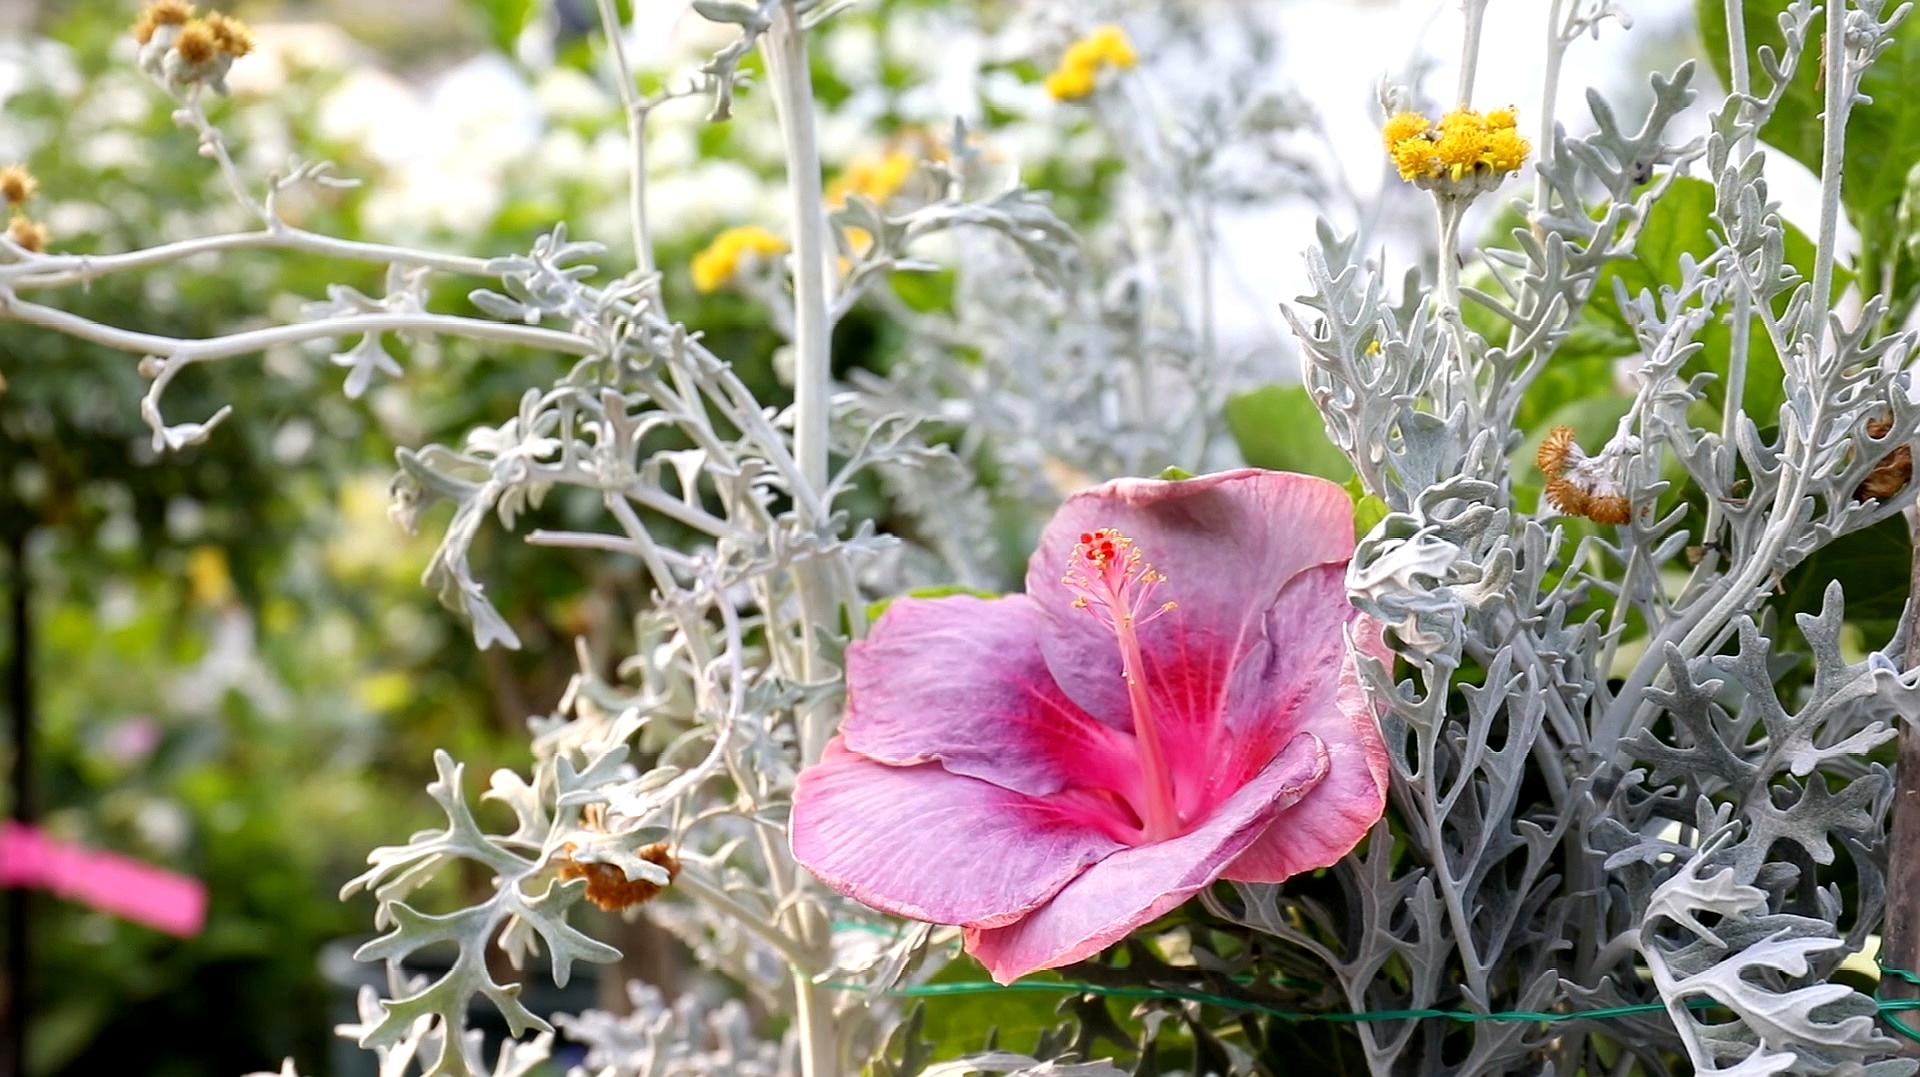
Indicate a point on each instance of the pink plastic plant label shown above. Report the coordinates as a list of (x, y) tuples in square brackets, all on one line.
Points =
[(160, 899)]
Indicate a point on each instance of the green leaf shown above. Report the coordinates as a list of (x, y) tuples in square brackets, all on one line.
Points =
[(1883, 138), (945, 590), (1872, 567), (1581, 367), (505, 19), (1278, 428), (1368, 510), (1681, 223)]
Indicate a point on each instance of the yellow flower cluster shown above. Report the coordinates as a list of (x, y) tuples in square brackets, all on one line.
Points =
[(1080, 67), (1464, 144), (17, 186), (874, 177), (720, 261)]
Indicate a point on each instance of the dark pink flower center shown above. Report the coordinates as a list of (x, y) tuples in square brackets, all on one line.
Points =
[(1111, 580)]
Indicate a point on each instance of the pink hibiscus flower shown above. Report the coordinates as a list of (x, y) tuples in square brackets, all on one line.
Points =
[(1173, 701)]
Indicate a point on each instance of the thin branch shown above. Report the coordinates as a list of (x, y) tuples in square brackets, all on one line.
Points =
[(61, 270), (186, 350), (636, 115)]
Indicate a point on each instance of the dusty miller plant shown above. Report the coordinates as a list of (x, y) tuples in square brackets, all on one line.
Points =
[(1581, 827), (1574, 825)]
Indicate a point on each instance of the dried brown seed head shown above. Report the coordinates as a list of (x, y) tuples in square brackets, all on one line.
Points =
[(195, 43), (231, 35), (30, 235), (1609, 509), (161, 13), (1894, 471), (608, 886), (1567, 496), (17, 184), (1554, 451)]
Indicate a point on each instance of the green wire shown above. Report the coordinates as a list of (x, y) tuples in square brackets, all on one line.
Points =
[(1887, 1006), (983, 987)]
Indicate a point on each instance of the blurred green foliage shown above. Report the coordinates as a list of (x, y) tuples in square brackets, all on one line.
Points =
[(240, 677)]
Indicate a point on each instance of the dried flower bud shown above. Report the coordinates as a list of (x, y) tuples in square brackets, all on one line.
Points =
[(608, 886), (1567, 496), (1552, 458), (1609, 508), (196, 44), (1582, 485), (231, 35), (161, 13), (30, 235), (1892, 473), (17, 185)]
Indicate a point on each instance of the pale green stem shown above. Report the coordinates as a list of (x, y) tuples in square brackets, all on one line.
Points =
[(1549, 98), (636, 114), (786, 55), (1736, 386), (1832, 158), (1475, 11)]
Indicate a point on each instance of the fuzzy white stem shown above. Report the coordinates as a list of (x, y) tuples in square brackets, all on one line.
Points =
[(1549, 100), (1475, 11), (786, 55), (185, 350), (1741, 344), (61, 270), (213, 144), (636, 114), (753, 923), (1839, 99)]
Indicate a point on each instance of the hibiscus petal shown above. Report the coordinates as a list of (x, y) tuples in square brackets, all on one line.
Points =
[(961, 680), (1227, 544), (926, 844), (1138, 884), (1287, 677), (1331, 820)]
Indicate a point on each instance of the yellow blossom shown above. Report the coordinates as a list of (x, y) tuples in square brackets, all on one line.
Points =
[(1111, 44), (1459, 150), (875, 178), (17, 185), (1464, 148), (1083, 55), (209, 581), (720, 261), (1402, 126), (1414, 158), (1080, 66), (1505, 150), (1071, 84)]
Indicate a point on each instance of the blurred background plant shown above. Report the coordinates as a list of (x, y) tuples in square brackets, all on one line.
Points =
[(240, 676)]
